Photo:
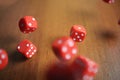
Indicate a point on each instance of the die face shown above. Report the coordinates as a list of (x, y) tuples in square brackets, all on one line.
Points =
[(27, 48), (109, 1), (84, 68), (28, 24), (3, 59), (78, 33), (64, 48)]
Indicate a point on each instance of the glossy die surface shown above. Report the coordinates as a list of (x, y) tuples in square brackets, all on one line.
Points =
[(78, 33), (84, 69), (3, 59), (27, 48), (64, 48), (27, 24)]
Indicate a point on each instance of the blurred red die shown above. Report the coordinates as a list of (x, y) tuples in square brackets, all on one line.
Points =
[(27, 48), (78, 33), (84, 69), (3, 59), (65, 48), (27, 24)]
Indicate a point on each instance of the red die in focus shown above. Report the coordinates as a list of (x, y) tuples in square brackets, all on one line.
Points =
[(84, 69), (3, 59), (109, 1), (28, 24), (64, 48), (78, 33), (27, 48), (59, 71)]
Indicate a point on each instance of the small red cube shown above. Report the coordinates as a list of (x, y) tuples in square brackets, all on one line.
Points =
[(65, 48), (27, 24), (27, 48), (78, 33), (3, 59), (84, 68)]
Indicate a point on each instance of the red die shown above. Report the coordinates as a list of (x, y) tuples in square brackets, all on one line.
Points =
[(64, 48), (78, 33), (109, 1), (28, 24), (84, 69), (59, 71), (3, 59), (27, 48)]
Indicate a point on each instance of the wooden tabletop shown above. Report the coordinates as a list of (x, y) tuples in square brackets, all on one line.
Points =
[(55, 18)]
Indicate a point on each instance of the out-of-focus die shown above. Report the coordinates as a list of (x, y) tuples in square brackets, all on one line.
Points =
[(59, 71), (27, 48), (84, 68), (3, 59), (109, 1), (65, 48), (27, 24), (78, 33)]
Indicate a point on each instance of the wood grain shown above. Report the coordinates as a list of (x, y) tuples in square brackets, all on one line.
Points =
[(55, 18)]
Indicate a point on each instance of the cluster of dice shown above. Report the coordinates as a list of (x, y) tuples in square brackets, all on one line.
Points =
[(80, 69), (65, 49), (27, 24)]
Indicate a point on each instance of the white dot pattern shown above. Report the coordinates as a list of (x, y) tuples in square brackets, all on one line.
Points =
[(78, 36), (30, 24), (68, 56), (82, 34), (76, 33), (74, 39), (30, 56), (18, 47), (27, 45), (33, 19), (27, 53), (3, 56), (86, 77), (79, 27), (31, 47), (64, 49), (34, 50), (80, 40), (70, 43), (74, 51), (59, 41), (31, 51)]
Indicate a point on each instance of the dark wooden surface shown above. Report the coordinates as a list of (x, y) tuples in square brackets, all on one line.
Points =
[(55, 18)]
